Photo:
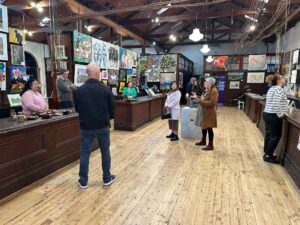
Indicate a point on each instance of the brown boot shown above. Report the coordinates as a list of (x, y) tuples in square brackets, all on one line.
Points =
[(209, 147), (202, 142)]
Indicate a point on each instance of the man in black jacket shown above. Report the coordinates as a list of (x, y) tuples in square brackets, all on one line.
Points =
[(94, 103)]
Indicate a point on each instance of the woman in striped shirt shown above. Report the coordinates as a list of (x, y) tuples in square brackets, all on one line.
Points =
[(276, 106)]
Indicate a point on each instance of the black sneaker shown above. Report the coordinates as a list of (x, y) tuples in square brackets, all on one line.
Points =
[(82, 185), (112, 179), (271, 159), (170, 136), (175, 138)]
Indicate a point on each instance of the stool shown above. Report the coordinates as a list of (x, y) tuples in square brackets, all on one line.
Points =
[(241, 105)]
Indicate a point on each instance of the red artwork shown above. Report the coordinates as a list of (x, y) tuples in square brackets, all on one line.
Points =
[(220, 61)]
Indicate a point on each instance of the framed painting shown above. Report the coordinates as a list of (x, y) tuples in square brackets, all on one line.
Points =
[(17, 55), (18, 77), (220, 62), (60, 52), (121, 86), (257, 62), (113, 57), (166, 79), (80, 75), (16, 36), (234, 85), (296, 56), (123, 58), (256, 78), (82, 45), (62, 65), (100, 53), (104, 75), (143, 61), (113, 77), (235, 76), (2, 76), (14, 100), (3, 47), (168, 63), (3, 19)]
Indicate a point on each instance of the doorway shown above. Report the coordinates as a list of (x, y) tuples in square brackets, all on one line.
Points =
[(31, 65)]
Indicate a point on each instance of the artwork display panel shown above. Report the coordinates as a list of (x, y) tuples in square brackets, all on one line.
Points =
[(82, 44), (80, 75), (113, 57), (257, 62), (256, 77), (3, 19), (17, 55), (100, 53), (3, 47), (16, 36), (2, 76), (166, 80)]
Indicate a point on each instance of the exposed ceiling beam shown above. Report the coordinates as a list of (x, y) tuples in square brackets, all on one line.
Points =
[(192, 16), (145, 7), (81, 10)]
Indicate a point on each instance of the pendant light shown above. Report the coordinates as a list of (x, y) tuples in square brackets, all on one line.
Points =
[(196, 35), (205, 49), (209, 59)]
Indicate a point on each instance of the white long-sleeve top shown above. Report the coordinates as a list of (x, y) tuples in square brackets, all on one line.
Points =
[(276, 101), (173, 103)]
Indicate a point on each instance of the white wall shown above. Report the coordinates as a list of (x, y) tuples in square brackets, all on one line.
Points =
[(40, 52), (193, 52)]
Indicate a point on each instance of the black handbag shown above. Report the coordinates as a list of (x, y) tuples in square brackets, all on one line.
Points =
[(166, 116)]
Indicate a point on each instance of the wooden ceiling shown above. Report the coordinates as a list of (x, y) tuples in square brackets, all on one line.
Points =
[(221, 21)]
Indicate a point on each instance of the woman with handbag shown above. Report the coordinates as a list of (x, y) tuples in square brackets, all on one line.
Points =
[(208, 101), (172, 105), (276, 106)]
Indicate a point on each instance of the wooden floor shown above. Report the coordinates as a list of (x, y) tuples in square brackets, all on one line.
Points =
[(160, 182)]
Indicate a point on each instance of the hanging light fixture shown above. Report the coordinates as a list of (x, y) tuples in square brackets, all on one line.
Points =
[(205, 49), (209, 59), (196, 35)]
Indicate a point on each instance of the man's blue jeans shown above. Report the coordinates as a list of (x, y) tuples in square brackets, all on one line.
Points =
[(86, 141)]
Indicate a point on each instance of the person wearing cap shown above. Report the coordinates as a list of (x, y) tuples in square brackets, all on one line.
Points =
[(208, 101), (65, 89)]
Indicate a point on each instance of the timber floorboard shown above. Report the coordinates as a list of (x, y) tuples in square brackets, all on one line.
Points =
[(162, 182)]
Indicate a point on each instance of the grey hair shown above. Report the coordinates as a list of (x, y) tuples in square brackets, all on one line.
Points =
[(193, 78), (211, 80)]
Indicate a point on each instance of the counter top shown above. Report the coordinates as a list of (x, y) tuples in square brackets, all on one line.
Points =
[(138, 100), (7, 126), (255, 96)]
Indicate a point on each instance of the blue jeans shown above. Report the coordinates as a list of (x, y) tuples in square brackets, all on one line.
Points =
[(86, 141), (65, 104)]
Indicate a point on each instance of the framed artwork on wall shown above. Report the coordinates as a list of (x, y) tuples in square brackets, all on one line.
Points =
[(14, 100), (257, 62), (113, 77), (113, 57), (296, 56), (256, 77), (121, 86), (80, 75), (235, 76), (234, 85), (100, 53), (2, 76), (3, 19), (104, 75), (18, 77), (3, 47), (82, 44), (166, 80), (16, 36), (60, 52), (17, 55)]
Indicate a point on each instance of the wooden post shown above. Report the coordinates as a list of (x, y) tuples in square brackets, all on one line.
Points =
[(120, 40)]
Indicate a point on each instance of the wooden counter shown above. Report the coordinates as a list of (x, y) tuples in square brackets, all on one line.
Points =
[(291, 158), (252, 106), (261, 121), (131, 115), (31, 150)]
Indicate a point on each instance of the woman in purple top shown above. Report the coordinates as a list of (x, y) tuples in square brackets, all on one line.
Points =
[(32, 100)]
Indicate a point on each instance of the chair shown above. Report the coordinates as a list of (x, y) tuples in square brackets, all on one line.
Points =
[(241, 105)]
